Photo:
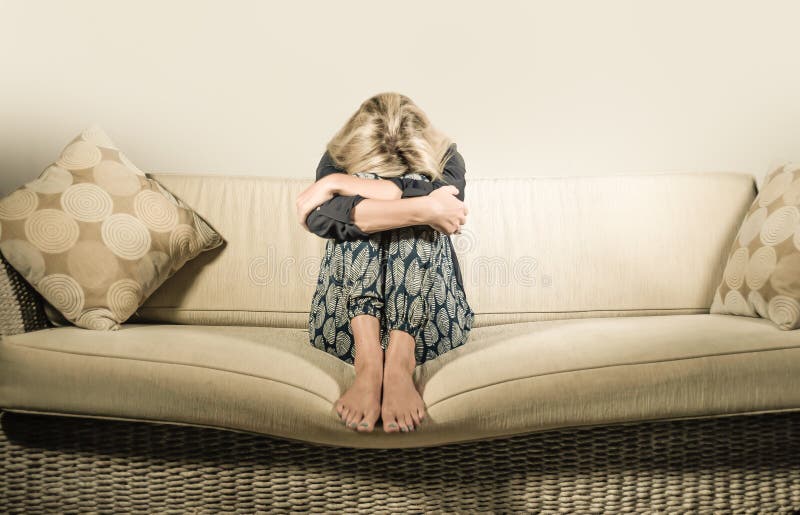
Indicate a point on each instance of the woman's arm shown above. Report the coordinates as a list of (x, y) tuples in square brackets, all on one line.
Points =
[(441, 210), (340, 192), (326, 204), (345, 184)]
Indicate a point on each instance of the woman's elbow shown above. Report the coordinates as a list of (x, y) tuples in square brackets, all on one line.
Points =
[(318, 224)]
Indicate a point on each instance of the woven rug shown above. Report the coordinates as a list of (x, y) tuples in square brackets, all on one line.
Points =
[(740, 464)]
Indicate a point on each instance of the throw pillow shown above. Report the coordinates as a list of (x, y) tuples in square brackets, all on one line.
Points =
[(762, 274), (95, 236)]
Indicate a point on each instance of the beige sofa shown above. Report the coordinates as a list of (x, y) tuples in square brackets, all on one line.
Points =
[(591, 297)]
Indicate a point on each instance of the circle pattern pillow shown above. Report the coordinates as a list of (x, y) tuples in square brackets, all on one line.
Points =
[(762, 274), (95, 236)]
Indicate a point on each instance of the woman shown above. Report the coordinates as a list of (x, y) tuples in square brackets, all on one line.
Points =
[(389, 296)]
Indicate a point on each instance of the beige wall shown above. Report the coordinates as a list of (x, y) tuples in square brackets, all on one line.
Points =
[(525, 88)]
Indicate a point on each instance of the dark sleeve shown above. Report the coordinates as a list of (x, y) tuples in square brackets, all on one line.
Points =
[(332, 219), (454, 173)]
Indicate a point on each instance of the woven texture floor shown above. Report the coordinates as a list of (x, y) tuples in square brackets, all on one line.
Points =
[(742, 464)]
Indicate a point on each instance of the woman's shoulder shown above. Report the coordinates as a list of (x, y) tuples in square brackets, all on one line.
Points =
[(452, 149), (327, 165), (327, 159), (456, 160)]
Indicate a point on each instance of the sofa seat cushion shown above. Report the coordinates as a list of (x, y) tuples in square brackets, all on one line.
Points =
[(507, 380)]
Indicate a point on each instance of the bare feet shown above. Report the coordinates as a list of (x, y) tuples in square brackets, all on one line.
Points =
[(402, 408), (360, 405)]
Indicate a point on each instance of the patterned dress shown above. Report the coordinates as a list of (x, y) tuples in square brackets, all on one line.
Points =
[(405, 277)]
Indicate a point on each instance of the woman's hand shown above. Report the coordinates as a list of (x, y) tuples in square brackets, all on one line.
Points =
[(316, 194), (445, 212)]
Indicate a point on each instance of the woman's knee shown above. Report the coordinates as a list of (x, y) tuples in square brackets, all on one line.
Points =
[(354, 258), (419, 244)]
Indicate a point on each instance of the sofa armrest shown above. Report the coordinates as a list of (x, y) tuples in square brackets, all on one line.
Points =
[(22, 309)]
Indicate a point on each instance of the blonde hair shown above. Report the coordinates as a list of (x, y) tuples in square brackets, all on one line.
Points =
[(389, 135)]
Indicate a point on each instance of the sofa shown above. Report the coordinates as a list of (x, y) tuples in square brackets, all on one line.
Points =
[(594, 379)]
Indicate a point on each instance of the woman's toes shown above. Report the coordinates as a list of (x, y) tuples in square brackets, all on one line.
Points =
[(404, 427), (354, 419), (421, 414), (368, 422), (409, 422), (344, 414), (390, 425)]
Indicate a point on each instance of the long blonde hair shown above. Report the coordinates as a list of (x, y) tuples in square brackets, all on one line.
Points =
[(389, 135)]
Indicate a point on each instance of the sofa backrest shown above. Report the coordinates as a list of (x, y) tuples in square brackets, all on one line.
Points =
[(532, 249)]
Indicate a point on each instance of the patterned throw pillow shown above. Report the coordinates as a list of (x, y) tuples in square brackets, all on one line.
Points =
[(762, 275), (95, 236)]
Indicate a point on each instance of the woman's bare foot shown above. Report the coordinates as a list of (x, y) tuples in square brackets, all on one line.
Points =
[(360, 405), (402, 408)]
